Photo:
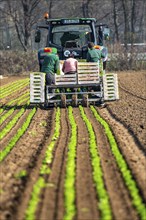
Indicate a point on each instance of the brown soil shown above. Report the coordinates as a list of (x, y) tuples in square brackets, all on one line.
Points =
[(126, 118)]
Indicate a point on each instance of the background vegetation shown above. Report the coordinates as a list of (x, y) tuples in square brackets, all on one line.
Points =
[(126, 19)]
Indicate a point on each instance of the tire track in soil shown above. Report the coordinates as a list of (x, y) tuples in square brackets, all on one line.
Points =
[(86, 199), (119, 196), (130, 111), (131, 93), (131, 152), (52, 204), (26, 155)]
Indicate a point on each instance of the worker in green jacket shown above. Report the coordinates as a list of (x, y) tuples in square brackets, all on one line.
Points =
[(93, 55), (50, 66)]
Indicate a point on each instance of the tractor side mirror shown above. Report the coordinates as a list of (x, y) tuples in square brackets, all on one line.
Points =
[(106, 33), (37, 36)]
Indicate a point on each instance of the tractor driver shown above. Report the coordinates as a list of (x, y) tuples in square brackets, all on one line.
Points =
[(67, 36), (50, 66)]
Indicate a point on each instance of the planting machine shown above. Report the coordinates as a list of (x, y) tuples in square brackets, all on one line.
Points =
[(90, 85)]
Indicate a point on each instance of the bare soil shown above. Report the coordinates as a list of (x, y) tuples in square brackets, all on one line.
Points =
[(126, 118)]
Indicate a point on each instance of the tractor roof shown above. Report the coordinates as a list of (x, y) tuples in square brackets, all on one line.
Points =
[(70, 20)]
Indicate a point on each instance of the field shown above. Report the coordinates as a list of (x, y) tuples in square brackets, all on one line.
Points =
[(74, 163)]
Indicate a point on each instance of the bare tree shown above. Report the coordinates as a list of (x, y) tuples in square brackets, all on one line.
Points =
[(49, 5), (115, 18), (85, 8), (126, 21), (24, 15)]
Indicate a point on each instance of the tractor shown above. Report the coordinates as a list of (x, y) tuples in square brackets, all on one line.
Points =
[(91, 84)]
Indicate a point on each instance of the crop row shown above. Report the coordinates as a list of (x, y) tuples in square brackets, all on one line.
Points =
[(103, 205), (102, 194), (17, 136), (70, 177), (11, 124), (13, 102), (126, 173), (9, 112), (11, 85), (44, 169), (69, 184), (14, 88)]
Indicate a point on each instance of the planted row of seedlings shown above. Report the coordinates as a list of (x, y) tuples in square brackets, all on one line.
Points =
[(137, 200), (14, 88), (9, 86), (12, 123), (70, 177), (102, 194), (4, 152), (69, 182), (23, 99), (104, 204), (13, 102), (44, 170)]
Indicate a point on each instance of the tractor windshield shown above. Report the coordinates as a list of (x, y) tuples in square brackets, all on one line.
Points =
[(80, 34)]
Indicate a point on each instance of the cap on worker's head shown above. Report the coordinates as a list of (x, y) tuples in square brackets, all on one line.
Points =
[(90, 45), (54, 50), (97, 47)]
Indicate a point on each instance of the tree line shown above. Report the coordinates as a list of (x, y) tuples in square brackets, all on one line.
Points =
[(18, 19)]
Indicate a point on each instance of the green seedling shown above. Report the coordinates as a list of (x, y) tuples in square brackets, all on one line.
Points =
[(21, 174), (33, 133), (43, 124)]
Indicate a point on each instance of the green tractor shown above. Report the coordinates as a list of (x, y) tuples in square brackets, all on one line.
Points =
[(90, 84)]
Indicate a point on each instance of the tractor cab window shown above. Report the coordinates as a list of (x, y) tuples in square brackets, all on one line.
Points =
[(73, 35)]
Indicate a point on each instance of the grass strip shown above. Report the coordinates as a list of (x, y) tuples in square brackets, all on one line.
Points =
[(17, 136), (104, 204), (69, 184), (126, 173), (45, 169)]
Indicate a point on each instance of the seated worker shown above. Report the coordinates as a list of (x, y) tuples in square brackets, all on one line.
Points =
[(50, 66), (93, 55), (70, 65), (96, 54)]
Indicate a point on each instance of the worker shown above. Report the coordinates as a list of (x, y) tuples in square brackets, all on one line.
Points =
[(96, 53), (50, 66), (93, 55), (70, 65)]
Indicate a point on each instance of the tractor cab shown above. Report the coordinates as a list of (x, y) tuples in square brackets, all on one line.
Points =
[(90, 84), (71, 35)]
